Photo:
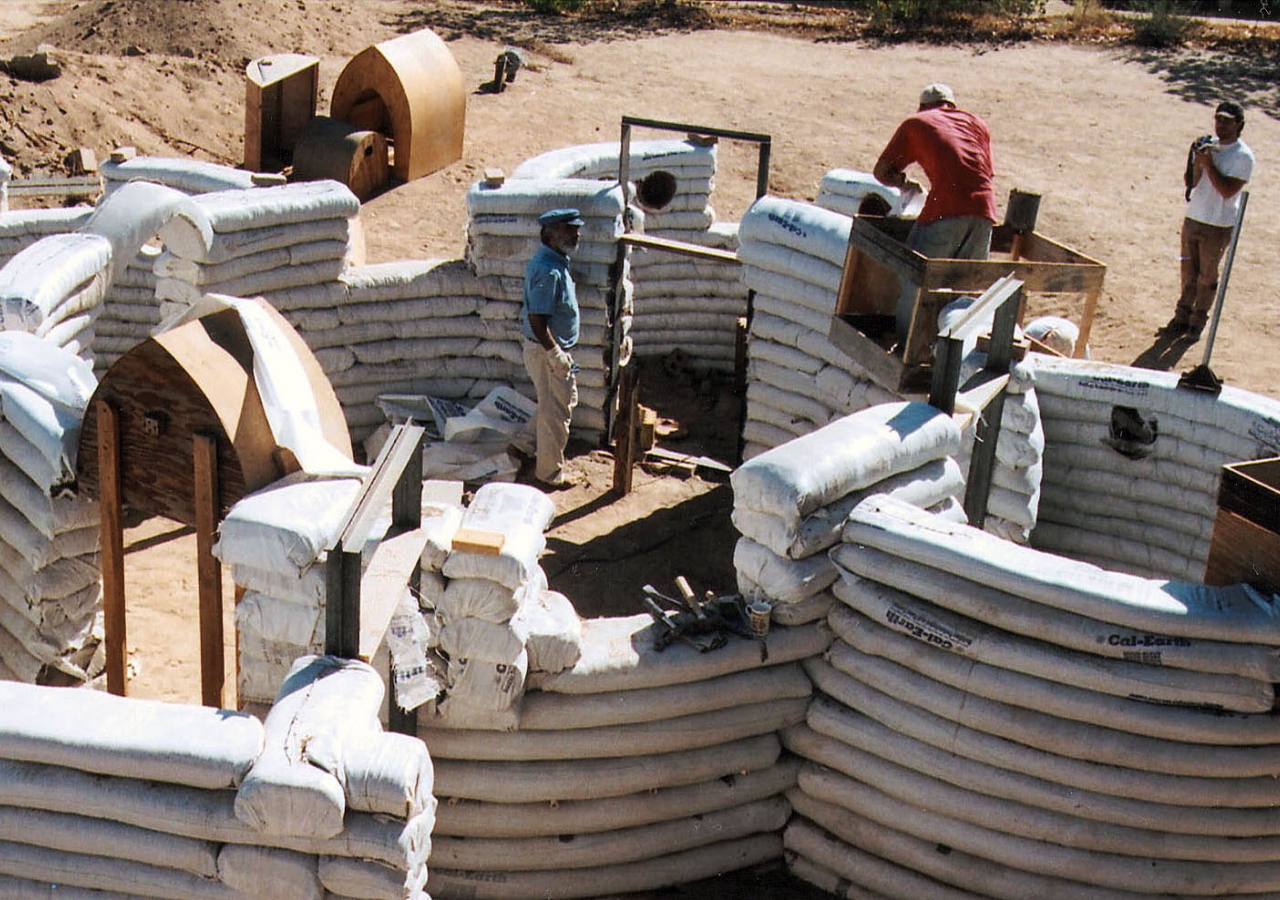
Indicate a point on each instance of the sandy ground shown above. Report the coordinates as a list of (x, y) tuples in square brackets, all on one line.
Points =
[(1101, 134)]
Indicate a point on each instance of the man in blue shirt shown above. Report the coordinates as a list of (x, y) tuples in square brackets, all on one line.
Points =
[(549, 321)]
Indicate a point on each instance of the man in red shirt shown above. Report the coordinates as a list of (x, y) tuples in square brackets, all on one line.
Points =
[(954, 149)]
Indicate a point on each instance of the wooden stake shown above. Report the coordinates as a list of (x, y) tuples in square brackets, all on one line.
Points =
[(204, 449), (111, 514)]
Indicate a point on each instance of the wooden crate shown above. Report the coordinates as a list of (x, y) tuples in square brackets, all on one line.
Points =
[(1246, 531), (878, 267)]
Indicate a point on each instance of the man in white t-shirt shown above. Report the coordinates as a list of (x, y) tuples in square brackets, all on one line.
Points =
[(1220, 167)]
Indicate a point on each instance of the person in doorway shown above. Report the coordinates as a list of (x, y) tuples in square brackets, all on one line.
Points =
[(953, 147), (549, 321), (1220, 165)]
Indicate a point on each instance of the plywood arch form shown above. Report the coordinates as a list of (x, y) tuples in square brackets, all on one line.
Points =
[(410, 89)]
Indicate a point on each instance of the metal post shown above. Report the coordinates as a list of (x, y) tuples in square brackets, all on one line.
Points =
[(1222, 281)]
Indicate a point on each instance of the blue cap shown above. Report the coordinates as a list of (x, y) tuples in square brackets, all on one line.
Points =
[(566, 216)]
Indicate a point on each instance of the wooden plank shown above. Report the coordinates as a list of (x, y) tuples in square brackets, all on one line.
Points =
[(208, 569), (478, 540), (681, 247), (624, 451), (111, 513), (1243, 551), (882, 367), (392, 565)]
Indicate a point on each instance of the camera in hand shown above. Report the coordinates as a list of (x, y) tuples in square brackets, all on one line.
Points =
[(1205, 140)]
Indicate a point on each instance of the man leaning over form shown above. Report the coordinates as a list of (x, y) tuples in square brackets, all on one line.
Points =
[(1220, 166), (549, 321), (953, 147)]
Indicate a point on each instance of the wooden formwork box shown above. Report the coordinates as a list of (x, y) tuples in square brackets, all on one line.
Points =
[(279, 100), (176, 428), (409, 89), (1246, 531), (878, 266)]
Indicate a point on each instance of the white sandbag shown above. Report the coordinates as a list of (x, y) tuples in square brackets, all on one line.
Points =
[(864, 839), (343, 878), (822, 860), (294, 787), (134, 738), (469, 818), (792, 264), (1137, 873), (591, 198), (410, 279), (387, 773), (193, 176), (511, 567), (1065, 701), (277, 629), (102, 837), (54, 869), (933, 626), (779, 578), (925, 486), (128, 217), (1199, 752), (678, 868), (1037, 752), (850, 453), (811, 609), (548, 711), (193, 228), (851, 729), (817, 232), (475, 639), (691, 732), (1237, 613), (39, 278), (576, 851), (43, 395), (1017, 817), (552, 631), (486, 599), (487, 686), (1014, 613), (601, 159), (287, 525), (588, 779), (292, 876), (618, 654)]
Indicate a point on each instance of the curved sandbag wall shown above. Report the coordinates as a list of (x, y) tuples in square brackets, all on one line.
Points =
[(986, 725), (116, 798)]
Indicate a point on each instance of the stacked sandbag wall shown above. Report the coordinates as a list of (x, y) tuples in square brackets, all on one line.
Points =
[(682, 305), (502, 236), (493, 619), (1132, 463), (797, 379), (117, 798), (20, 228), (636, 769), (994, 721), (789, 503), (846, 191), (54, 289), (50, 587), (288, 239), (418, 327)]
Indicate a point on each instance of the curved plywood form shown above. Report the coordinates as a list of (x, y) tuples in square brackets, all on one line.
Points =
[(410, 89)]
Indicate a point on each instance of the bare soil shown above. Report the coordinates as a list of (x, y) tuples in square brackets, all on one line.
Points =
[(1099, 129)]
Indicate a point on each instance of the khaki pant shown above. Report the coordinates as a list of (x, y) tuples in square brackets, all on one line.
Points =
[(1202, 249), (557, 397)]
